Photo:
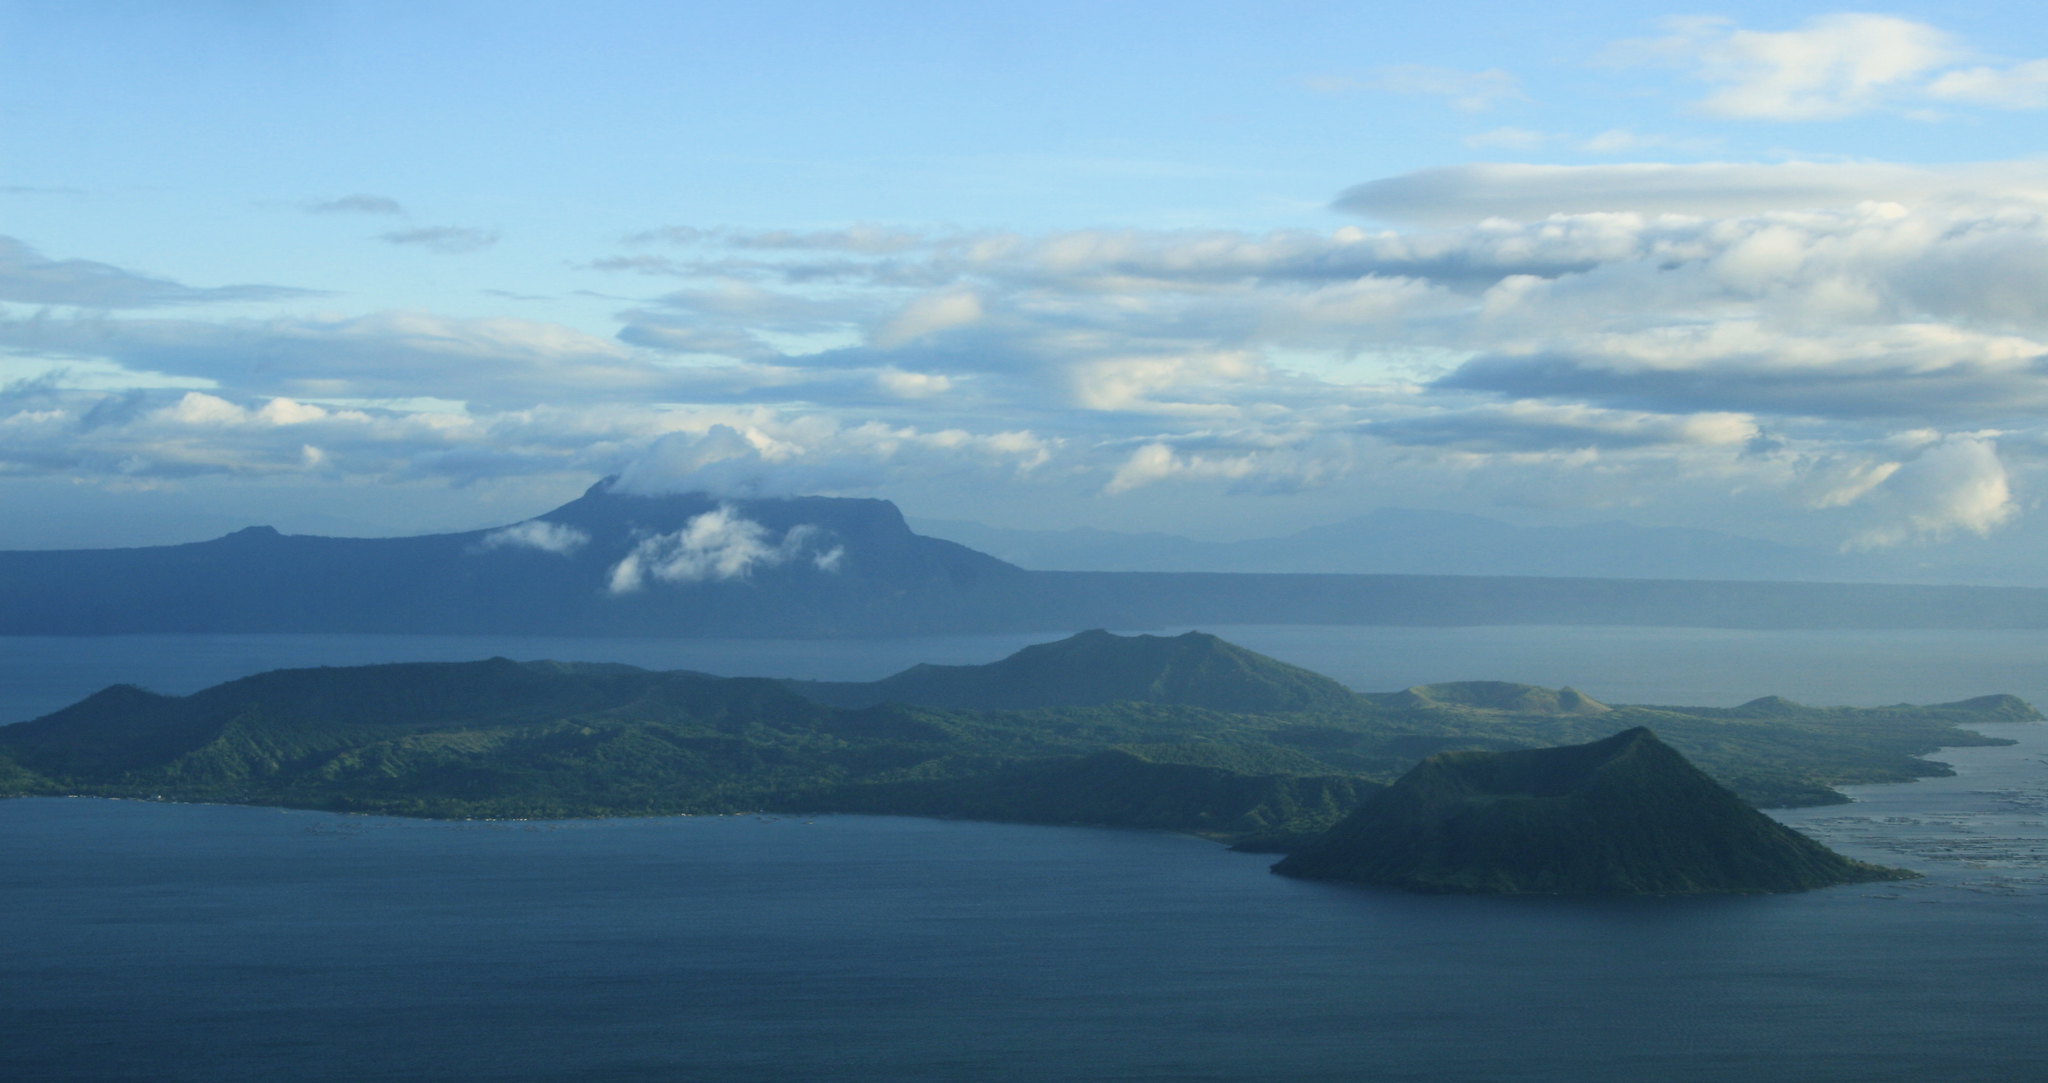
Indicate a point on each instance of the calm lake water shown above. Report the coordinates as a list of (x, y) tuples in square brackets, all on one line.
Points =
[(163, 942)]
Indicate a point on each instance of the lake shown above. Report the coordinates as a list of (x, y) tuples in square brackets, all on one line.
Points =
[(164, 942)]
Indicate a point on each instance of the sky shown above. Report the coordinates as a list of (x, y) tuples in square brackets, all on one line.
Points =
[(1224, 270)]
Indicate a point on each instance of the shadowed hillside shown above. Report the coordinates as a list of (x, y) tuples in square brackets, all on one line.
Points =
[(1621, 816)]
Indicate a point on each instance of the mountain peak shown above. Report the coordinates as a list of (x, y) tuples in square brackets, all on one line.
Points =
[(1627, 814), (1193, 669)]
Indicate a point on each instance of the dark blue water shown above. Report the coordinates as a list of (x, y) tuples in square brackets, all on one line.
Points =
[(214, 943), (161, 942)]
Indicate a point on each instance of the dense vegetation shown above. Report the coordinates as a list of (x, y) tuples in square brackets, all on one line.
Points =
[(1188, 733), (1626, 815)]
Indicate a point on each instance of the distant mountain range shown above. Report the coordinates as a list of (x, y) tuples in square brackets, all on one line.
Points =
[(616, 563), (1411, 541), (606, 563)]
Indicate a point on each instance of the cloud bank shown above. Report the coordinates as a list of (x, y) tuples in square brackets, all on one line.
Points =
[(1864, 344)]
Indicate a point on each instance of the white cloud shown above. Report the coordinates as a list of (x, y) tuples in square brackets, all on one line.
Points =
[(1956, 485), (928, 315), (199, 408), (2021, 86), (720, 545), (1682, 333), (1135, 383), (1830, 66), (913, 385), (1835, 66), (1246, 462), (559, 539), (767, 454)]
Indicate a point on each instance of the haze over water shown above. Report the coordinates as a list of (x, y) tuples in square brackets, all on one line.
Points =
[(219, 943)]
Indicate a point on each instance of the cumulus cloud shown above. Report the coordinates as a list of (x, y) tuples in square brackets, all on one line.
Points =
[(718, 545), (1244, 462), (1830, 66), (1956, 485), (1678, 332), (559, 539), (768, 455), (447, 240)]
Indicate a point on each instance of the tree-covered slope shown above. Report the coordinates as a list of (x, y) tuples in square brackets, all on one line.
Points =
[(499, 738), (1624, 815), (1185, 732)]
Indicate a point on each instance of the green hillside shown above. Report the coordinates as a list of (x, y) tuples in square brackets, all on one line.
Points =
[(1185, 732)]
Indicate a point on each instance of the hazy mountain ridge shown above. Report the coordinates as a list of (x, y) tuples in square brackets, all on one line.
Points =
[(614, 563), (1415, 541)]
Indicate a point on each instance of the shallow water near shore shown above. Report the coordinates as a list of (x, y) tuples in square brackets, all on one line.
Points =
[(168, 942)]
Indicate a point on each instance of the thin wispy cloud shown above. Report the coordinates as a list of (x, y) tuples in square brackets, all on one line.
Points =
[(446, 240), (359, 203), (29, 277)]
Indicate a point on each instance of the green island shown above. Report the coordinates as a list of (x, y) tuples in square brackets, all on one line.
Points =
[(1186, 733), (1625, 815)]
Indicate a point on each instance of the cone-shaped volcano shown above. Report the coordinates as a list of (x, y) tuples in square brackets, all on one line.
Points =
[(1627, 815)]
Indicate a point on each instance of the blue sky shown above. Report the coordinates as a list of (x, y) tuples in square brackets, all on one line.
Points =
[(1220, 269)]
